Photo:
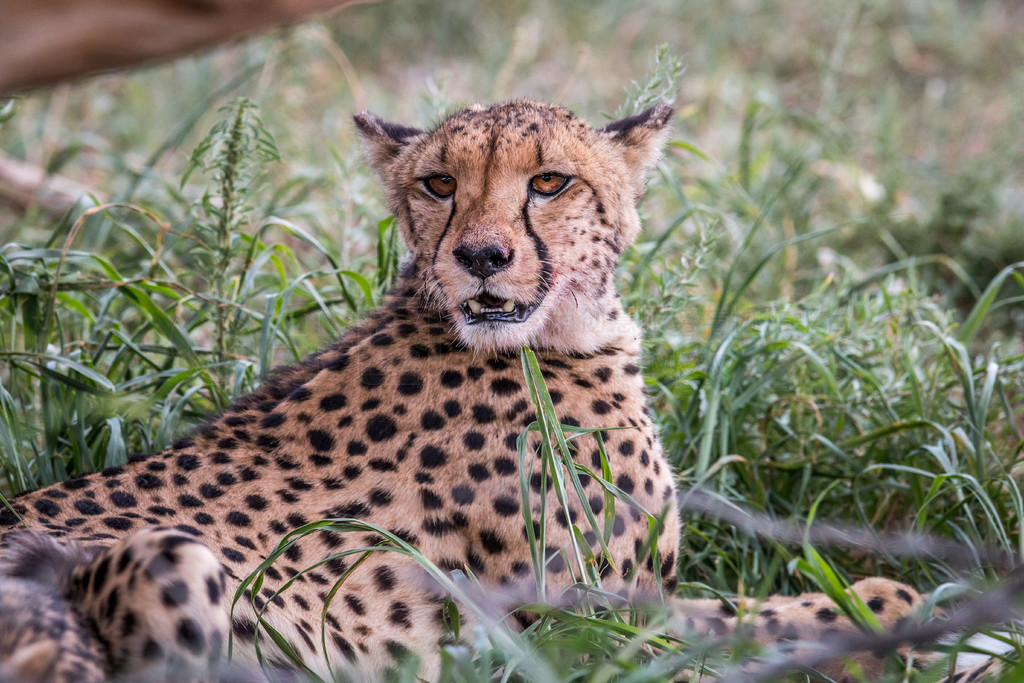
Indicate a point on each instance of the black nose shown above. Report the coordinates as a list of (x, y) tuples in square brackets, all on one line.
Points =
[(485, 261)]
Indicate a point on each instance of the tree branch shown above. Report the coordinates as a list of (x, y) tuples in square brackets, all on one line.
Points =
[(46, 41)]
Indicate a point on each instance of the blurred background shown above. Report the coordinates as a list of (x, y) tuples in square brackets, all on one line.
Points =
[(910, 110)]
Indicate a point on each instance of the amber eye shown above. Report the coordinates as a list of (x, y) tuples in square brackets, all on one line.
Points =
[(442, 185), (548, 183)]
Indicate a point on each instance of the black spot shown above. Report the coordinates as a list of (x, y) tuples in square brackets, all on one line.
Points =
[(625, 482), (506, 506), (479, 472), (190, 636), (431, 421), (504, 387), (380, 497), (384, 578), (233, 555), (236, 518), (118, 523), (203, 518), (355, 604), (273, 420), (372, 378), (463, 495), (451, 379), (430, 500), (877, 604), (490, 541), (299, 395), (600, 407), (256, 502), (339, 363), (210, 491), (50, 509), (475, 373), (174, 593), (437, 526), (556, 563), (380, 427), (268, 442), (826, 615), (452, 408), (88, 507), (505, 466), (381, 339), (188, 501), (148, 481), (618, 526), (400, 615), (904, 596), (152, 650), (483, 414), (320, 440), (410, 384), (186, 462), (419, 351), (432, 456), (333, 402), (473, 441)]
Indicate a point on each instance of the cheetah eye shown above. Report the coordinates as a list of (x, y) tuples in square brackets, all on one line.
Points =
[(548, 184), (441, 185)]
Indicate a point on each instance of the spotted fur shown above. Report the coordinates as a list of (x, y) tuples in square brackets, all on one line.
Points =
[(409, 421)]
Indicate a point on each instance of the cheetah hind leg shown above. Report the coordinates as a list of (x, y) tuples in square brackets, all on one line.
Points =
[(155, 601), (801, 625)]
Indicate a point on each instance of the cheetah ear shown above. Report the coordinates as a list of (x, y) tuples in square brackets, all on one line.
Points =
[(383, 141), (642, 136)]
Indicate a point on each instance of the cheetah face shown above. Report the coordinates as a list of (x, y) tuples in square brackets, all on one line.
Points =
[(515, 216)]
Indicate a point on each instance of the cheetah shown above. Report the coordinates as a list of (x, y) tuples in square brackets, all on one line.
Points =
[(514, 216)]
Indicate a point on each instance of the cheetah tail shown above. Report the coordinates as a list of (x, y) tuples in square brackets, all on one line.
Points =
[(43, 560)]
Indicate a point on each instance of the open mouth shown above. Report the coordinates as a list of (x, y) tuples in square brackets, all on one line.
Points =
[(485, 308)]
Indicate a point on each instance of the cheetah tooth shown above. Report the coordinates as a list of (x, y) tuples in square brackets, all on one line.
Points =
[(474, 306), (508, 305)]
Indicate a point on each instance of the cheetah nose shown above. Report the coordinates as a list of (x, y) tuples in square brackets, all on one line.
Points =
[(485, 261)]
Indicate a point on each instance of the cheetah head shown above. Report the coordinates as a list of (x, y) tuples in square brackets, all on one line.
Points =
[(515, 216)]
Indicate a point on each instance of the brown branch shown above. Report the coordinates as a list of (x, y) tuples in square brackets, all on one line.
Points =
[(46, 41), (23, 185)]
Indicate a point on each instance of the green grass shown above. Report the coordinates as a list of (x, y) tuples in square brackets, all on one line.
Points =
[(830, 275)]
